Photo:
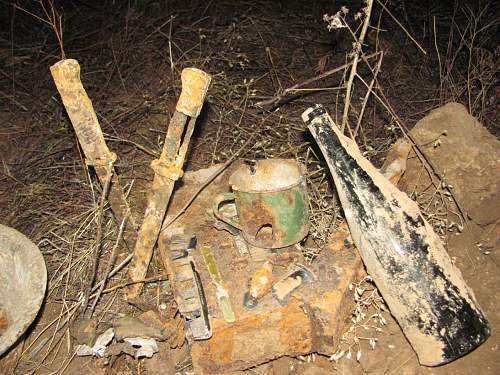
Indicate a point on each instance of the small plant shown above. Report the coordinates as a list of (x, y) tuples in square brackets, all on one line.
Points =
[(54, 19), (338, 21), (367, 321)]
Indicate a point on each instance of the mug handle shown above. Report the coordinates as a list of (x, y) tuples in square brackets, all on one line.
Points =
[(220, 198)]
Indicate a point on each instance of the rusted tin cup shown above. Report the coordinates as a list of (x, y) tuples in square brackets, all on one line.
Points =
[(271, 202)]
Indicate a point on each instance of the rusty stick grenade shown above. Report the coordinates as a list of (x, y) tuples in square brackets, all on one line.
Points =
[(66, 75), (168, 169)]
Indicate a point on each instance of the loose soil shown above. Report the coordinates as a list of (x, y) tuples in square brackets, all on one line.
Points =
[(131, 54)]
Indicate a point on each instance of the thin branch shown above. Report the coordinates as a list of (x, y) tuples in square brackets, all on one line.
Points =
[(112, 259), (368, 92), (276, 100), (403, 28), (97, 250), (357, 50)]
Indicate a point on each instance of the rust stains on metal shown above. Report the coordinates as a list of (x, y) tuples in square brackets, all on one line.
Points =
[(168, 168), (271, 201), (195, 82), (66, 75), (242, 344)]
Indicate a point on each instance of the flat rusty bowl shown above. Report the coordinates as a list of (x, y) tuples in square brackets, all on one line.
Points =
[(23, 279)]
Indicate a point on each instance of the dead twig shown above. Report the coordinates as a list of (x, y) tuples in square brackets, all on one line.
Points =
[(358, 45), (273, 74), (54, 19), (276, 100), (97, 249), (368, 92), (111, 261), (402, 28)]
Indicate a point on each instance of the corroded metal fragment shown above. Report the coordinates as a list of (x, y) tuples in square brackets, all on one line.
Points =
[(168, 168), (312, 320), (256, 339), (222, 292), (66, 75), (271, 201), (195, 83)]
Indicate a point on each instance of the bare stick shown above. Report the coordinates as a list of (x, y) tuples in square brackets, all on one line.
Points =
[(95, 260), (122, 264), (112, 259), (357, 50), (146, 280), (403, 28), (272, 71), (368, 92), (437, 52), (55, 21), (275, 100)]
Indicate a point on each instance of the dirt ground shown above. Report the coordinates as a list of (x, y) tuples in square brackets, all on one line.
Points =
[(131, 54)]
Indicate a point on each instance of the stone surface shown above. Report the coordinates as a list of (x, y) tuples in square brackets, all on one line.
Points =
[(467, 156)]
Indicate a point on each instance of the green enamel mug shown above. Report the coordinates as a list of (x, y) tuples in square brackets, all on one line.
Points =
[(271, 203)]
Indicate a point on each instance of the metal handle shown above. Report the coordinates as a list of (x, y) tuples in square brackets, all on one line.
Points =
[(195, 84), (66, 75), (220, 198)]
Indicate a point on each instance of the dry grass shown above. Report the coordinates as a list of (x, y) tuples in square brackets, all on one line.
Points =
[(132, 54), (366, 323)]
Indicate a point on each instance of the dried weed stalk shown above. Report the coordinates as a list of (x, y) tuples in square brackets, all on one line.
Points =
[(54, 19), (469, 67), (437, 206), (367, 321)]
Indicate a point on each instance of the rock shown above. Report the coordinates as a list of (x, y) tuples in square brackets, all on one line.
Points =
[(316, 370), (465, 154), (133, 327), (283, 366), (84, 331)]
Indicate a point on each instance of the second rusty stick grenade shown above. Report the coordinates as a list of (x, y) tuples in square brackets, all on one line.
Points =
[(168, 168), (66, 74)]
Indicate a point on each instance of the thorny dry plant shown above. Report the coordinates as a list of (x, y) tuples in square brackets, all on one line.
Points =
[(468, 46), (367, 321), (324, 210), (436, 203), (438, 208)]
